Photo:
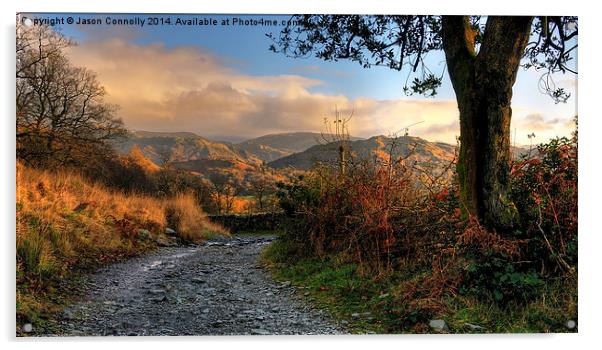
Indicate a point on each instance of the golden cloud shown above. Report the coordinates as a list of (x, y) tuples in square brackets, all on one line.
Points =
[(187, 88)]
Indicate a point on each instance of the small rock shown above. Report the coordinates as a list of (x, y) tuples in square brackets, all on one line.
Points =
[(161, 242), (156, 291), (169, 231), (27, 328), (259, 331), (306, 293), (286, 284), (159, 299), (68, 314), (473, 326), (198, 280), (438, 325), (122, 311), (382, 296), (355, 315)]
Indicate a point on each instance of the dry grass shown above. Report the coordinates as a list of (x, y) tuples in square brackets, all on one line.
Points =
[(184, 216), (139, 158), (66, 223)]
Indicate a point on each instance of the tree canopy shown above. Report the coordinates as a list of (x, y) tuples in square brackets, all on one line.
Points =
[(402, 42), (483, 56)]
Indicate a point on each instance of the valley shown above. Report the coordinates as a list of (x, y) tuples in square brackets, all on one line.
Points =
[(256, 165)]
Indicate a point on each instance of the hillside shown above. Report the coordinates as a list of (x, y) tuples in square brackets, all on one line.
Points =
[(186, 146), (160, 147), (274, 146), (378, 147), (241, 164)]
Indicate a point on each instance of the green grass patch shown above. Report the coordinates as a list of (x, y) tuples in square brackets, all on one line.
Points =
[(550, 312), (374, 304), (363, 303)]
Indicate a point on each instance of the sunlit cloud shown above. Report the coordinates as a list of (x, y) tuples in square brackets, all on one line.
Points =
[(189, 89), (537, 122)]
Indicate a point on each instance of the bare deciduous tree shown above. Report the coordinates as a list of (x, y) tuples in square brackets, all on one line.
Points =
[(62, 116)]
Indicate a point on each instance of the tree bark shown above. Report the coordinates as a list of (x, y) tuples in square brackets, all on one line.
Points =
[(483, 86)]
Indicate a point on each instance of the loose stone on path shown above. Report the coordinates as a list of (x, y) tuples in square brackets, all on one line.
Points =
[(216, 288)]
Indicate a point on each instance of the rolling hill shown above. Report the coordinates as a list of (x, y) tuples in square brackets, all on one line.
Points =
[(274, 146), (420, 151), (244, 163), (161, 147)]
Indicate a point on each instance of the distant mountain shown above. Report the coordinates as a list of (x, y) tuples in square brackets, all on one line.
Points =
[(212, 160), (422, 152), (187, 146), (274, 146), (160, 147), (299, 150)]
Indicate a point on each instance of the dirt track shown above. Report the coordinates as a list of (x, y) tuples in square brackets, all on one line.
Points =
[(213, 289)]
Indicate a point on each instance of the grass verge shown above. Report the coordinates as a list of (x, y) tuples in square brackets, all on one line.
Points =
[(375, 304), (67, 225)]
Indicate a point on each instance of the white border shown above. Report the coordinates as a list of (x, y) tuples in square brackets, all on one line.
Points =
[(589, 177)]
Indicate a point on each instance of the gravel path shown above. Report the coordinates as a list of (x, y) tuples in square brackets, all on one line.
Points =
[(213, 289)]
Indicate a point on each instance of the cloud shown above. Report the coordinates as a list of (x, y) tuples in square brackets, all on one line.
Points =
[(190, 89), (525, 122), (536, 122)]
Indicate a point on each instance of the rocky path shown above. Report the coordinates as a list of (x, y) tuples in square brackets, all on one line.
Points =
[(213, 289)]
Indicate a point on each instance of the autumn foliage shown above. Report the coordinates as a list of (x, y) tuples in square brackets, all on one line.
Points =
[(386, 217)]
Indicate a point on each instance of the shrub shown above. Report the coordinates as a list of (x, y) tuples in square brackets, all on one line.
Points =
[(379, 213), (384, 217), (544, 189)]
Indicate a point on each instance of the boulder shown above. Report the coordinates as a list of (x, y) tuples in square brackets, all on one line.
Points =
[(163, 242)]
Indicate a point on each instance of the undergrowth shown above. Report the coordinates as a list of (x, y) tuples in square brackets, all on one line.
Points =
[(388, 238)]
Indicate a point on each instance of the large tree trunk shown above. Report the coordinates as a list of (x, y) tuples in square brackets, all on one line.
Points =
[(483, 86)]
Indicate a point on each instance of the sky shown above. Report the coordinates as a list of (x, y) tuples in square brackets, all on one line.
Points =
[(222, 82)]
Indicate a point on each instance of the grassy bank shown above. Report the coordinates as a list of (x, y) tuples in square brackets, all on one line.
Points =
[(376, 304), (66, 225)]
